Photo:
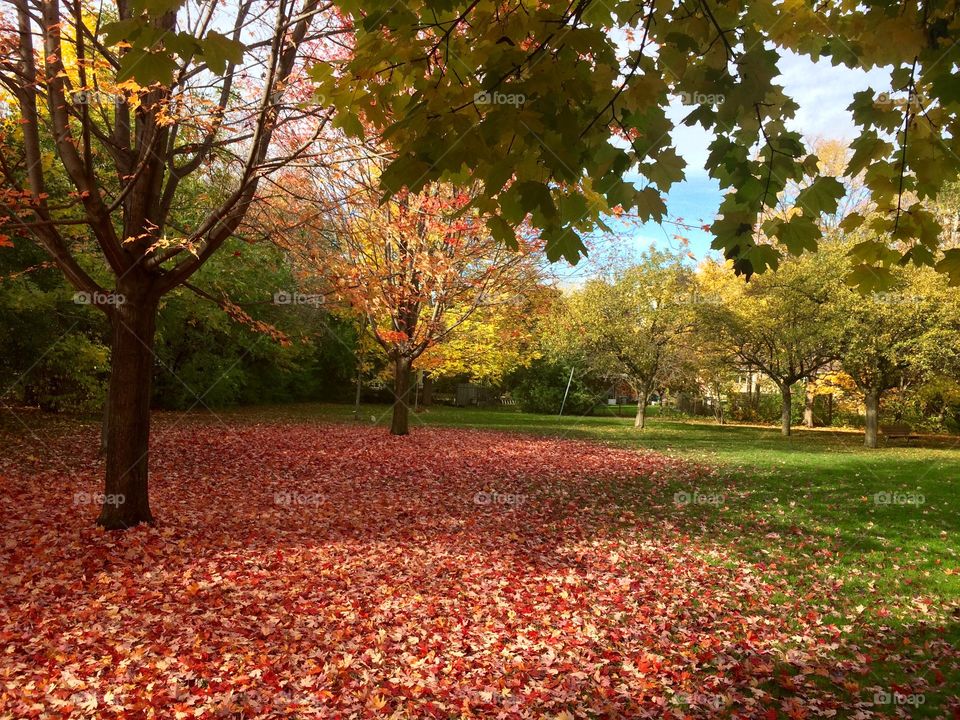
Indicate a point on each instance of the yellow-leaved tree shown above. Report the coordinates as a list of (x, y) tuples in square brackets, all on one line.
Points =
[(498, 338)]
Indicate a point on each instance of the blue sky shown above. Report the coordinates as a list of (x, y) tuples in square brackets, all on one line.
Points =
[(823, 93)]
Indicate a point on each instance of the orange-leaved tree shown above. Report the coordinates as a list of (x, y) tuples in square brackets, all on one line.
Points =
[(415, 267)]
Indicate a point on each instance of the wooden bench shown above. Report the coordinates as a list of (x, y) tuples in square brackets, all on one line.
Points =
[(898, 431)]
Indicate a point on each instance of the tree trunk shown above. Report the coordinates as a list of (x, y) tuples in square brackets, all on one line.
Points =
[(871, 399), (426, 397), (401, 392), (126, 502), (641, 418), (785, 409), (809, 398), (361, 356), (718, 405), (104, 424), (356, 394)]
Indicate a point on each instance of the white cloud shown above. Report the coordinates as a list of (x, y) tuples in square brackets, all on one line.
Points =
[(822, 90)]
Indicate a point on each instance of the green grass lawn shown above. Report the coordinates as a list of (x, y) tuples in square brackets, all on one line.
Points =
[(808, 502)]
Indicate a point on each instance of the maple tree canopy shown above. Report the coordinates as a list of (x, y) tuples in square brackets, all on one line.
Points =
[(550, 104)]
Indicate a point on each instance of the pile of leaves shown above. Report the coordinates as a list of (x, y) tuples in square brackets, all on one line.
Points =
[(336, 571)]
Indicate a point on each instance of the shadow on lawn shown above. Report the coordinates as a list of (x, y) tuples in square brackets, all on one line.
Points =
[(509, 565)]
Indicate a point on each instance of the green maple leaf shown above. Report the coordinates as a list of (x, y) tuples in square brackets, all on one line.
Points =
[(870, 278), (798, 234), (822, 196), (218, 50), (146, 67), (950, 265), (502, 230)]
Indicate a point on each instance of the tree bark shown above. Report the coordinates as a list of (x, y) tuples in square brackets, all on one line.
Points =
[(785, 409), (126, 501), (640, 420), (400, 425), (426, 397), (361, 356), (809, 398), (356, 394), (104, 424), (871, 399), (718, 406)]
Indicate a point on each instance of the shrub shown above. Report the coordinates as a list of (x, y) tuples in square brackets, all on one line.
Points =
[(540, 388)]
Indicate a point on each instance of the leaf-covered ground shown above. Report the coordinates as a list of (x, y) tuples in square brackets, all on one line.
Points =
[(330, 570)]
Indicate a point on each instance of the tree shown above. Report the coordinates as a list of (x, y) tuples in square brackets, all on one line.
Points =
[(786, 324), (121, 104), (416, 267), (713, 372), (891, 338), (877, 356), (631, 327), (526, 101), (53, 353), (495, 340)]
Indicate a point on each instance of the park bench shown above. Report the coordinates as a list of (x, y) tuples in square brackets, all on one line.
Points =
[(898, 431)]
